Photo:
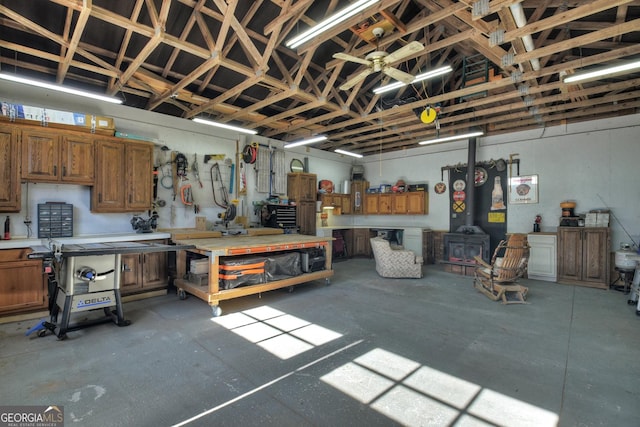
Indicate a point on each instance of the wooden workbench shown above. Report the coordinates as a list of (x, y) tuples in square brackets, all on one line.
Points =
[(217, 247)]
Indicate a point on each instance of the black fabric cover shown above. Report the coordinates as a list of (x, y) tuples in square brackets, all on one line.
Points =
[(241, 271), (280, 266)]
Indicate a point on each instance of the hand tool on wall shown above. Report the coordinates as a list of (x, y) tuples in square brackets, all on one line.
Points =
[(195, 170)]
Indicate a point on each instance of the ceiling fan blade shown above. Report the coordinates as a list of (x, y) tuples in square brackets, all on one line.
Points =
[(401, 76), (403, 52), (346, 57), (356, 79)]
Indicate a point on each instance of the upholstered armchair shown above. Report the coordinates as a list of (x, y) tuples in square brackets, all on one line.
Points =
[(392, 262)]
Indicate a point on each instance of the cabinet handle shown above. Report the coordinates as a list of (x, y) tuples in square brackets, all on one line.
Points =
[(55, 170), (130, 198), (64, 171), (100, 197)]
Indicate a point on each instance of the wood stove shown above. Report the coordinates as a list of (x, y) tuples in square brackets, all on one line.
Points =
[(460, 248)]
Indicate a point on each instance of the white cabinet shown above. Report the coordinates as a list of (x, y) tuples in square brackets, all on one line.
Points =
[(543, 256)]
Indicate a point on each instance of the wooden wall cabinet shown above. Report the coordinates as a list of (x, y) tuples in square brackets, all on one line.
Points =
[(23, 285), (57, 156), (341, 203), (301, 188), (583, 256), (409, 203), (144, 271), (9, 169), (115, 191)]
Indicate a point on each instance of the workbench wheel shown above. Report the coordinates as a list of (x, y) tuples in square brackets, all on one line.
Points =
[(216, 310), (631, 302), (182, 294), (637, 312), (290, 289), (42, 333), (327, 281)]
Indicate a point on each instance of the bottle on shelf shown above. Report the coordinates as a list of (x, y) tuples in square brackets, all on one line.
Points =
[(7, 228)]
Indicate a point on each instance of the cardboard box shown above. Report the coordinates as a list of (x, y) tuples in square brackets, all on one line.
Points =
[(201, 223)]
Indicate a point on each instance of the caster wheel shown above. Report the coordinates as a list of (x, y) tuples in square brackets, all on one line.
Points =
[(182, 294), (290, 289), (327, 281), (216, 311), (637, 312), (42, 333), (631, 302)]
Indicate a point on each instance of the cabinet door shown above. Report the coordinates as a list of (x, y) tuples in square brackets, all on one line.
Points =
[(22, 282), (542, 257), (416, 202), (154, 270), (570, 254), (345, 203), (131, 278), (358, 189), (384, 204), (108, 193), (40, 155), (361, 243), (308, 187), (399, 203), (371, 204), (595, 256), (139, 168), (9, 170), (77, 159), (306, 217)]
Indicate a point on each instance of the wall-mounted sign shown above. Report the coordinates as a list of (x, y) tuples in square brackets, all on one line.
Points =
[(523, 189)]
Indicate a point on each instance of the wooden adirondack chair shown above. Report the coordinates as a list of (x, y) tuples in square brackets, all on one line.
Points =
[(498, 280)]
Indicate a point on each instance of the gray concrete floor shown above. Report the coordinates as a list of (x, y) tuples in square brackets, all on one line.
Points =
[(362, 351)]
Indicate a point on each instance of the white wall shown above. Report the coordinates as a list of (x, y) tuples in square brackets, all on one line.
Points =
[(594, 163)]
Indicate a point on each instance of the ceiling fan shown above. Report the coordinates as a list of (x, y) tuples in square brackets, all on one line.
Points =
[(380, 61)]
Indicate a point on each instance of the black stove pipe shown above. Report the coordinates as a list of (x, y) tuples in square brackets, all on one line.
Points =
[(471, 182), (469, 227)]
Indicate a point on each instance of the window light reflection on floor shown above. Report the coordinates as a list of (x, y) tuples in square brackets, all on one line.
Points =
[(414, 394), (279, 333)]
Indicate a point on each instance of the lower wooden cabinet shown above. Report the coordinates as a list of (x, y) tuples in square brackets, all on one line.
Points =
[(143, 272), (23, 284), (583, 256), (358, 243)]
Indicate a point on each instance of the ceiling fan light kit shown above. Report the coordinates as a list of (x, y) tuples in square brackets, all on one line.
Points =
[(225, 126), (59, 88), (418, 78), (347, 153), (330, 22), (305, 141), (452, 138), (616, 69)]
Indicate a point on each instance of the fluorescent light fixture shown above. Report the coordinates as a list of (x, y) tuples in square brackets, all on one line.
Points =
[(452, 138), (59, 88), (602, 72), (330, 22), (347, 153), (305, 141), (418, 78), (224, 126)]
